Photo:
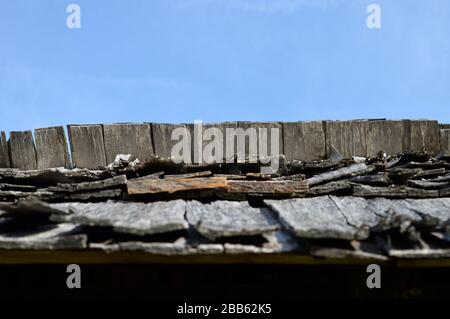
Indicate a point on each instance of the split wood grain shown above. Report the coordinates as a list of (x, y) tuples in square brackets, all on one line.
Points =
[(23, 154), (134, 139), (4, 152), (87, 145), (51, 148)]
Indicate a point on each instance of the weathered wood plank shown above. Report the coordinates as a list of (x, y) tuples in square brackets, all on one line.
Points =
[(304, 140), (162, 139), (226, 219), (88, 148), (353, 170), (201, 140), (267, 187), (51, 148), (23, 154), (4, 153), (317, 217), (385, 137), (425, 136), (114, 182), (340, 136), (130, 218), (154, 186), (445, 141), (256, 129), (134, 139)]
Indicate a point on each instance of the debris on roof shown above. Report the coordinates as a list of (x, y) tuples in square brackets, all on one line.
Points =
[(384, 208)]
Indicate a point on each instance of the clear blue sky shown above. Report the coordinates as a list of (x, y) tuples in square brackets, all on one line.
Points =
[(217, 60)]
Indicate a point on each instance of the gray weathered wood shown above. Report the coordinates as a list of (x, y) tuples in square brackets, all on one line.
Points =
[(200, 143), (349, 138), (425, 136), (4, 153), (353, 170), (23, 155), (162, 139), (304, 141), (51, 148), (259, 127), (86, 143), (385, 137), (317, 217), (134, 139), (130, 218), (225, 219), (114, 182), (445, 141)]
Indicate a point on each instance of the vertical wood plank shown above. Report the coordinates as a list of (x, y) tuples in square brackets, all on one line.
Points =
[(348, 137), (162, 138), (445, 141), (304, 141), (51, 148), (384, 136), (425, 136), (86, 143), (134, 139), (199, 138), (359, 137), (23, 155), (263, 125), (4, 153)]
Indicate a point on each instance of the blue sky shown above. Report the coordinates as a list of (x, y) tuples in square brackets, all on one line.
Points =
[(218, 60)]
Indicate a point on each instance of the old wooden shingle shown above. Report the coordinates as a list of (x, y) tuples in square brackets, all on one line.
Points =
[(425, 136), (86, 143), (255, 129), (23, 155), (4, 153), (384, 137), (304, 141), (225, 219), (201, 140), (445, 141), (155, 186), (317, 217), (130, 218), (134, 139), (348, 137), (51, 148), (162, 139)]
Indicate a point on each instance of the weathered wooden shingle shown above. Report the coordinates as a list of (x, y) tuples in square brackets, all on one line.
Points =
[(348, 137), (4, 153), (86, 143), (445, 141), (202, 141), (23, 155), (162, 140), (226, 218), (51, 148), (304, 141), (425, 136), (130, 218), (317, 217), (385, 137), (134, 139), (256, 129)]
